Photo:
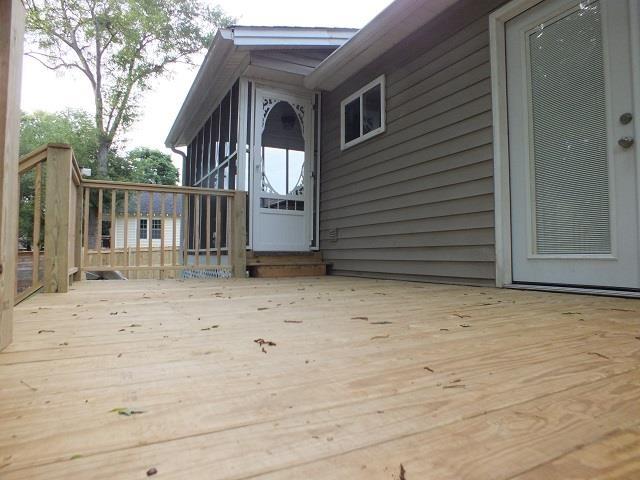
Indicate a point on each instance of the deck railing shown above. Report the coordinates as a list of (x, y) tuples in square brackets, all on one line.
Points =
[(158, 230), (50, 192), (140, 231)]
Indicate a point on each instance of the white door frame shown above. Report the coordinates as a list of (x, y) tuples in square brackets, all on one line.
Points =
[(502, 189), (287, 93)]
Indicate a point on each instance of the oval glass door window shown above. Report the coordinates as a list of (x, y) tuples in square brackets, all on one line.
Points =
[(283, 159)]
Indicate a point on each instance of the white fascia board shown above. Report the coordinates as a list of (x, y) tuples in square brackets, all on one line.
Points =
[(220, 48)]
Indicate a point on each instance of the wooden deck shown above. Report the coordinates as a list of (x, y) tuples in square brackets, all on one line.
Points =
[(366, 376)]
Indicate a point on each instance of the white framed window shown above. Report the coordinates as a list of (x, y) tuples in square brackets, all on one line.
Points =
[(156, 229), (144, 228), (363, 114)]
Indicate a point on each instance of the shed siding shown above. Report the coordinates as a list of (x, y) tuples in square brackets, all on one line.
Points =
[(144, 242), (417, 201)]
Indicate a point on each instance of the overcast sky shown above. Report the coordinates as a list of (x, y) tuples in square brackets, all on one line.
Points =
[(49, 91)]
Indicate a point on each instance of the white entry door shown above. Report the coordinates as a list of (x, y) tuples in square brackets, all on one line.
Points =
[(282, 206), (573, 160)]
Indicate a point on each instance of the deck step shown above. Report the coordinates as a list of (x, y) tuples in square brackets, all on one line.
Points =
[(285, 264)]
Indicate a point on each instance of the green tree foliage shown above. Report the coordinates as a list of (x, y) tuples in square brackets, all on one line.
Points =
[(152, 166), (120, 46)]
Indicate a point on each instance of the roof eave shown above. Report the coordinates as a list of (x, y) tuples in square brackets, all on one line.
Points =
[(387, 29)]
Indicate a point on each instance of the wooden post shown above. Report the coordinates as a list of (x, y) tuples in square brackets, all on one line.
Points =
[(57, 221), (11, 39), (238, 243), (78, 234)]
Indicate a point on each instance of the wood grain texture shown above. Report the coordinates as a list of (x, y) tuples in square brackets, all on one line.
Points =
[(366, 375), (11, 45)]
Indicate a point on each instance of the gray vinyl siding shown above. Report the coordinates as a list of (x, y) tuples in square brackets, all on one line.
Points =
[(417, 201)]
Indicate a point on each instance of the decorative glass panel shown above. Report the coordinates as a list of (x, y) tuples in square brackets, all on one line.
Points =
[(569, 129)]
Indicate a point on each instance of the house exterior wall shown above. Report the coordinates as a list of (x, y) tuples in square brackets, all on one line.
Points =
[(417, 201), (144, 242)]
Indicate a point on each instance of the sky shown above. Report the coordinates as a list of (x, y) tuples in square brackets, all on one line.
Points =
[(51, 91)]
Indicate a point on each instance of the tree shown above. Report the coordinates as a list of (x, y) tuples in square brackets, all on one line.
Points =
[(120, 46), (152, 166)]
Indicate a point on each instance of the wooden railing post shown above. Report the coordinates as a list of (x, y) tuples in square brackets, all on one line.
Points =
[(58, 219), (11, 34), (78, 257), (238, 250)]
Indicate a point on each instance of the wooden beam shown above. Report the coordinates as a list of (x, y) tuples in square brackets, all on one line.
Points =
[(11, 41), (58, 220), (238, 234)]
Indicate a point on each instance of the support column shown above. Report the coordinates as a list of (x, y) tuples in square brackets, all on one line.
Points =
[(11, 41)]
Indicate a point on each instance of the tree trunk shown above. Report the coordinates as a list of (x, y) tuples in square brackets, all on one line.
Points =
[(103, 158)]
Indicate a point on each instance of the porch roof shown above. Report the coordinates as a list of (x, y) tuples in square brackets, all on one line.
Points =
[(229, 57)]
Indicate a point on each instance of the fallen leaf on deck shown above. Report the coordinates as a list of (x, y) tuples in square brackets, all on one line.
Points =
[(33, 389), (262, 342), (379, 337), (293, 321), (381, 323), (260, 309), (127, 412), (151, 472), (210, 328), (429, 369), (465, 325), (403, 473), (596, 354), (75, 457), (46, 331), (459, 315), (134, 325), (360, 318)]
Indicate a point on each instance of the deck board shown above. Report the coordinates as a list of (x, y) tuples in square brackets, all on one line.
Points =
[(451, 382)]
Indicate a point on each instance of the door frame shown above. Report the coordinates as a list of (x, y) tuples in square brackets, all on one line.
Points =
[(502, 188), (287, 92)]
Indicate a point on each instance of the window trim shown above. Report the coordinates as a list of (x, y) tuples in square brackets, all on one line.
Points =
[(146, 229), (158, 229), (381, 80)]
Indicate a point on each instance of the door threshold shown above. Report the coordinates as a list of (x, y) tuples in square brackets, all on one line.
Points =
[(603, 292)]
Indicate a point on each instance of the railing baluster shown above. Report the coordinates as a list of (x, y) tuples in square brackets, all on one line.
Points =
[(125, 232), (208, 233), (186, 222), (218, 230), (150, 228), (99, 229), (85, 227), (37, 210), (162, 213), (175, 234), (196, 228), (112, 230), (138, 198)]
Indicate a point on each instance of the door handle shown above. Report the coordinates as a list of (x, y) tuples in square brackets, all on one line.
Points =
[(626, 142)]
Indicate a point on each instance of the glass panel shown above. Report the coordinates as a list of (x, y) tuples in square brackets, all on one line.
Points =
[(296, 173), (283, 155), (372, 109), (569, 128), (352, 120), (274, 170)]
